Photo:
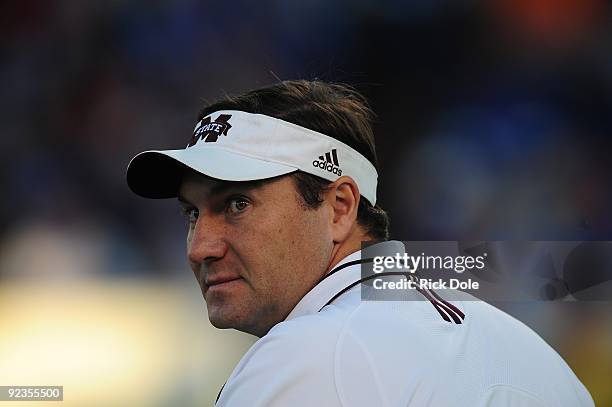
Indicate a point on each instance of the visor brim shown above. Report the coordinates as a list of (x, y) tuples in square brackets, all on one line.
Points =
[(158, 174)]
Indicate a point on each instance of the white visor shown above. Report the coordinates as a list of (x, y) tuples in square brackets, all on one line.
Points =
[(232, 145)]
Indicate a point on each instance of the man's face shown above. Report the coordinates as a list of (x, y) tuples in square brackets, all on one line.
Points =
[(254, 248)]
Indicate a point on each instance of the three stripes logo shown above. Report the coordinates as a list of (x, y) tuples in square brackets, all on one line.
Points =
[(328, 162)]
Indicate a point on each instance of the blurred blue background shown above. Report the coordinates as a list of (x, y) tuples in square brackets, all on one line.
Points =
[(494, 122)]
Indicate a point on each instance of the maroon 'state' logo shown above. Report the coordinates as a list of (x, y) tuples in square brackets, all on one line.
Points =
[(210, 131)]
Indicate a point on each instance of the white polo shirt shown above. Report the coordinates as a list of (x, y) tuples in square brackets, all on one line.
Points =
[(399, 353)]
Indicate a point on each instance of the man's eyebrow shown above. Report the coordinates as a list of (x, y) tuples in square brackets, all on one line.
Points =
[(228, 186), (183, 200), (224, 187)]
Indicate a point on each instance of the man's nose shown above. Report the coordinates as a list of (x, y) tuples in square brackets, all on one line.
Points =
[(207, 240)]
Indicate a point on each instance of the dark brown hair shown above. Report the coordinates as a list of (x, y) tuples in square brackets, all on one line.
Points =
[(336, 110)]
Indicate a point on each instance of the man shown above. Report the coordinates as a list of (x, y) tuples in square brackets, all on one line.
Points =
[(279, 187)]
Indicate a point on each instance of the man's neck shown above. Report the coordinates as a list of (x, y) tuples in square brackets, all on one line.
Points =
[(347, 247)]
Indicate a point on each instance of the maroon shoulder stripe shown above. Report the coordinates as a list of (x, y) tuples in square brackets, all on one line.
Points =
[(448, 304), (444, 311)]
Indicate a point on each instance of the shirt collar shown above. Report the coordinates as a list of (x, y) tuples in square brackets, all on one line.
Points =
[(320, 294)]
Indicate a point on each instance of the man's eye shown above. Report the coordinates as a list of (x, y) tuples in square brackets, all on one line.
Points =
[(237, 205)]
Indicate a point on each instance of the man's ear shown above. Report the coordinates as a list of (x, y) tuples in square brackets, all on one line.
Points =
[(342, 196)]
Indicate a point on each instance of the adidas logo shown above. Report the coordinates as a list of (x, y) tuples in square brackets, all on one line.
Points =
[(329, 162)]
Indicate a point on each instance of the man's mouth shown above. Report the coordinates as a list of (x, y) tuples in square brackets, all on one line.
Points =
[(219, 281)]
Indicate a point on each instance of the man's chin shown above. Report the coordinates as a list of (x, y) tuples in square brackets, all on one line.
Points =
[(221, 323), (226, 316), (223, 318)]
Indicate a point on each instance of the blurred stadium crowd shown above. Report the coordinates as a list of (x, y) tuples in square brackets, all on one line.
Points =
[(493, 117), (494, 120)]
